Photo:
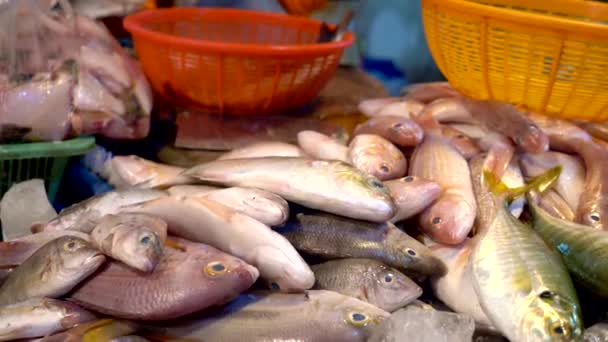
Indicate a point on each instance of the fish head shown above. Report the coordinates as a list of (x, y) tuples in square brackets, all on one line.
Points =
[(550, 317), (361, 184), (392, 289), (227, 269), (77, 256), (413, 255), (355, 317), (534, 139), (284, 272), (449, 220), (141, 246)]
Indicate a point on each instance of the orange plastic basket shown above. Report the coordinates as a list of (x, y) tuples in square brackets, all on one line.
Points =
[(234, 61), (549, 56)]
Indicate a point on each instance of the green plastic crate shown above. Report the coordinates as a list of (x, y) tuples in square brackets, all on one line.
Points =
[(45, 160)]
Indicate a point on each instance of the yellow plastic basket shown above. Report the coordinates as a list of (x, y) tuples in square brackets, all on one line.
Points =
[(549, 56)]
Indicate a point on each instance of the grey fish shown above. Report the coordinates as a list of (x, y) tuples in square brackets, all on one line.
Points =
[(190, 277), (331, 186), (14, 252), (85, 215), (39, 317), (335, 237), (134, 239), (367, 280), (315, 315), (52, 271), (596, 333)]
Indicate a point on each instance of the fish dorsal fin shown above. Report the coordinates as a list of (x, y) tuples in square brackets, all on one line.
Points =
[(539, 184)]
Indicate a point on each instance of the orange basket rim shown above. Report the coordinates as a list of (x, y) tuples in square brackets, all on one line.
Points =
[(134, 23), (590, 9)]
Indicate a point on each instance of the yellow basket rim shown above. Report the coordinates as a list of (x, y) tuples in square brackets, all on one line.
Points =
[(533, 18)]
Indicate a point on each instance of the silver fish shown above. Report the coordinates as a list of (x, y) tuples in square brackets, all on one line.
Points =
[(134, 171), (134, 239), (367, 280), (85, 215), (52, 271), (411, 195), (315, 315), (332, 186), (203, 220), (39, 317)]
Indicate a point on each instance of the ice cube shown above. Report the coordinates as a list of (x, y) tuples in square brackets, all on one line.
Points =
[(23, 204), (418, 324)]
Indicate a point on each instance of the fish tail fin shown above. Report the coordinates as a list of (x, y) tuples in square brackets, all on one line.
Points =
[(539, 183)]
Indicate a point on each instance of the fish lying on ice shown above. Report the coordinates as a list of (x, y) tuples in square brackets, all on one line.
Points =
[(190, 277), (367, 280)]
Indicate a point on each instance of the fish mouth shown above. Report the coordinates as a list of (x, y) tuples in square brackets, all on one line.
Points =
[(95, 259)]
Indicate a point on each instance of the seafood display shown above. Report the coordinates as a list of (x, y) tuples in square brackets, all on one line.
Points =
[(440, 218)]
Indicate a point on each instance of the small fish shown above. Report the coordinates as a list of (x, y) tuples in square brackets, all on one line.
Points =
[(429, 91), (39, 317), (555, 205), (14, 252), (596, 333), (262, 205), (463, 144), (583, 249), (264, 149), (411, 195), (202, 220), (455, 288), (392, 106), (522, 285), (367, 280), (134, 171), (332, 186), (377, 157), (52, 271), (450, 218), (315, 315), (320, 146), (190, 277), (101, 330), (85, 215), (333, 237), (134, 239), (563, 135), (398, 130), (191, 190), (571, 181), (508, 120)]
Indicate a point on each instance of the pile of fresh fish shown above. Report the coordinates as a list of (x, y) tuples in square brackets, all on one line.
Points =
[(64, 75), (322, 241)]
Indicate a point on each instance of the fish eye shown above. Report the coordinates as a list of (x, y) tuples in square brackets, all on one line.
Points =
[(546, 294), (377, 184), (410, 251), (594, 217), (70, 246), (145, 240), (408, 179), (436, 220), (384, 168), (215, 269), (275, 286), (398, 125), (559, 329), (388, 278), (358, 319)]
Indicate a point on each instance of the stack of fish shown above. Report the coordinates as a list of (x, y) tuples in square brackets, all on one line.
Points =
[(308, 243)]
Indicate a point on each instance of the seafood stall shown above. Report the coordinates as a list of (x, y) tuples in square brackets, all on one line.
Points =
[(221, 174)]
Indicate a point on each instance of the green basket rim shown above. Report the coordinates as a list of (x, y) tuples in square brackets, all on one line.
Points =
[(52, 149)]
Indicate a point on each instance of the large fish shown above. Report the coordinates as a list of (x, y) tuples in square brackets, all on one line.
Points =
[(398, 130), (264, 149), (411, 195), (522, 285), (377, 157), (190, 277), (334, 237), (39, 317), (134, 239), (85, 215), (52, 271), (332, 186), (317, 315), (449, 219), (203, 220), (571, 181), (320, 146), (134, 171), (14, 252), (367, 280), (583, 249)]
